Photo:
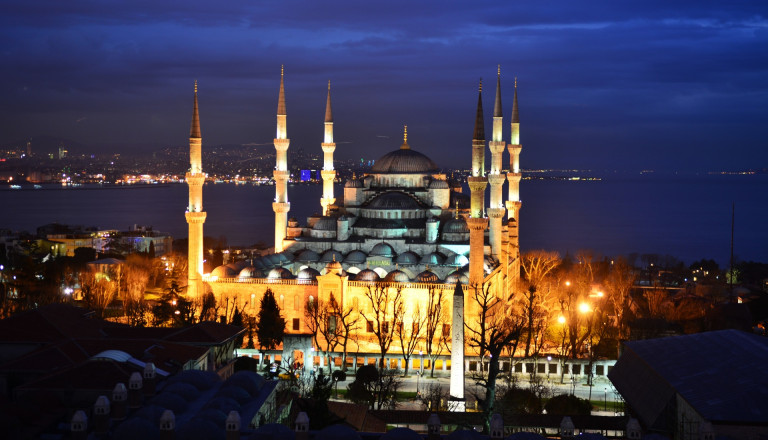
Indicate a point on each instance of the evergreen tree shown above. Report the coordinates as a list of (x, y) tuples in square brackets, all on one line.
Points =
[(270, 326)]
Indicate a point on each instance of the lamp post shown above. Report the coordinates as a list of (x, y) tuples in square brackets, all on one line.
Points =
[(420, 372), (605, 400)]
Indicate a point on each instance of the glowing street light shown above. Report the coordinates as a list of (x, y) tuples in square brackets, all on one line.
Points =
[(584, 308), (561, 319)]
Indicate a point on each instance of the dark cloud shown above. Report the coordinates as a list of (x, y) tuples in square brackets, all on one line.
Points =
[(602, 84)]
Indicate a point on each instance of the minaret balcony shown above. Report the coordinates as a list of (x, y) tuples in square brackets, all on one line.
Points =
[(328, 148), (282, 144), (497, 147), (281, 175), (496, 179), (514, 177), (514, 148), (195, 217)]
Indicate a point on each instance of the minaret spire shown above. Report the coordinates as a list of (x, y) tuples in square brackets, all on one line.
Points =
[(328, 173), (496, 179), (477, 222), (513, 177), (195, 215), (281, 206)]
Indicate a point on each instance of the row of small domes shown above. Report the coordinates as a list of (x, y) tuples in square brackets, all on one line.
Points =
[(309, 274)]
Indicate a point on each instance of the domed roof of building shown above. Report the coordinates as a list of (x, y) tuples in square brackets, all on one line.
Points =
[(307, 274), (404, 161), (407, 258), (280, 273), (353, 183), (382, 250), (456, 277), (393, 200), (274, 258), (333, 267), (225, 271), (367, 275), (456, 260), (433, 258), (427, 277), (325, 224), (286, 256), (337, 432), (401, 434), (250, 272), (456, 226), (331, 255), (397, 276), (308, 256), (355, 257), (439, 184)]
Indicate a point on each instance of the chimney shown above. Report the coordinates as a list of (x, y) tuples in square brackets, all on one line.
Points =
[(150, 379), (232, 425), (567, 428), (167, 425), (497, 426), (79, 426), (302, 426), (119, 401), (634, 432), (433, 427), (101, 415), (135, 384)]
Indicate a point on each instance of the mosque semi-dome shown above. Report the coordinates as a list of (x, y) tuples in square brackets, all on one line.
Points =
[(394, 200), (456, 226), (353, 183), (307, 274), (439, 184), (407, 257), (355, 257), (325, 224)]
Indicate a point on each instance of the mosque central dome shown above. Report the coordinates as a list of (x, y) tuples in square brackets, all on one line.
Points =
[(404, 161)]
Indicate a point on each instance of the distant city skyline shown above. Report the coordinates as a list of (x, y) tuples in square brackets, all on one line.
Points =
[(601, 85)]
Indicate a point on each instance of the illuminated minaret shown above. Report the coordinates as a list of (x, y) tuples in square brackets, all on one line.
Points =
[(456, 401), (281, 206), (514, 175), (496, 209), (328, 173), (195, 214), (477, 222)]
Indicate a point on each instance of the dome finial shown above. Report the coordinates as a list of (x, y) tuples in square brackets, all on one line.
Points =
[(498, 70), (457, 209), (405, 145), (481, 85), (195, 86), (329, 85), (515, 82)]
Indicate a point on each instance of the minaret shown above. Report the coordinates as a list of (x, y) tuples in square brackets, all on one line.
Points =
[(328, 173), (195, 214), (477, 222), (514, 175), (457, 402), (496, 209), (281, 206)]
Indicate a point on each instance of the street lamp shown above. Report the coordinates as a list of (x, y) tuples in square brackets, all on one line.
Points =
[(605, 400)]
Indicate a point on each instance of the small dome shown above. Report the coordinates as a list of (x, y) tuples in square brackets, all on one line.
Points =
[(266, 263), (226, 271), (407, 258), (258, 264), (307, 274), (353, 183), (274, 259), (439, 184), (285, 256), (397, 276), (367, 275), (434, 259), (280, 273), (250, 272), (382, 250), (456, 277), (456, 260), (456, 226), (331, 255), (427, 277), (334, 267), (308, 256), (355, 257), (325, 224)]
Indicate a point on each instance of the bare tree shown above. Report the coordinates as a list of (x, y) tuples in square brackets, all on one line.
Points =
[(618, 286), (435, 342), (98, 291), (322, 321), (347, 321), (135, 278), (386, 314), (537, 267), (496, 327), (409, 336)]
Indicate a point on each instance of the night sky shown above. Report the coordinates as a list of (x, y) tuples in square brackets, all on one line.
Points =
[(665, 85)]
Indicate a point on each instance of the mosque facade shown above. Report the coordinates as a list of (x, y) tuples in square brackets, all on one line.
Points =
[(402, 225)]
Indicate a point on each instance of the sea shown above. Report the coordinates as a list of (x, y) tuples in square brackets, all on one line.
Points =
[(686, 217)]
